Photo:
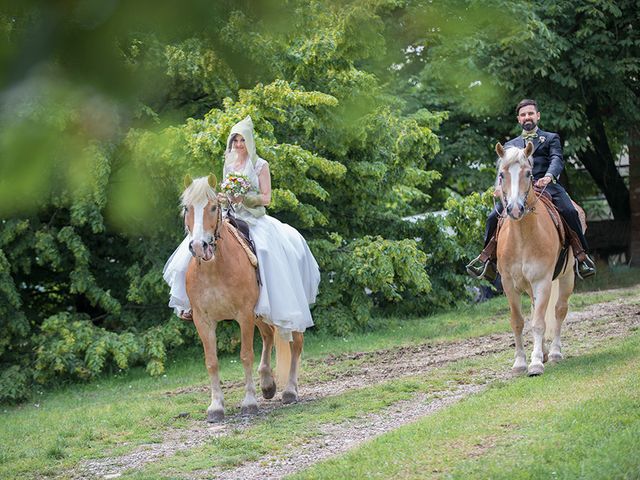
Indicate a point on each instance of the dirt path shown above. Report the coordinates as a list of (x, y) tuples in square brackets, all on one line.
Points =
[(582, 331)]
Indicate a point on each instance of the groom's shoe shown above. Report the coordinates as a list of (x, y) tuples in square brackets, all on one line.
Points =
[(585, 268), (186, 315)]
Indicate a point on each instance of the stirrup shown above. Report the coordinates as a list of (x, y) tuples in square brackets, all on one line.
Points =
[(477, 273), (589, 263)]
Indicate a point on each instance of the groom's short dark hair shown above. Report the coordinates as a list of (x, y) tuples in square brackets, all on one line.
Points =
[(524, 103)]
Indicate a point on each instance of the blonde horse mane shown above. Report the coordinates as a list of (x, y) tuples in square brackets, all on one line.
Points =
[(198, 193), (513, 155)]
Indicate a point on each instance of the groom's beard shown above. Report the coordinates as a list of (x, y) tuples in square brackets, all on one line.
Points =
[(529, 125)]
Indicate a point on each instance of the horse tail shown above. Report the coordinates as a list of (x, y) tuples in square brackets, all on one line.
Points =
[(550, 319), (283, 359)]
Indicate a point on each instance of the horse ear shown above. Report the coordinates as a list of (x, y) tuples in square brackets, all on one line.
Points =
[(187, 180), (499, 149), (528, 150), (213, 181)]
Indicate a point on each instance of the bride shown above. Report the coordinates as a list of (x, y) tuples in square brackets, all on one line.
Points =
[(288, 271)]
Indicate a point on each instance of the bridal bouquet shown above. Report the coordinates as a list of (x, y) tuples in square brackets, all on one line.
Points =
[(235, 184)]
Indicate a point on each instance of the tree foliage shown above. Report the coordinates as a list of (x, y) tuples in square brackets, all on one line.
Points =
[(580, 60), (97, 134)]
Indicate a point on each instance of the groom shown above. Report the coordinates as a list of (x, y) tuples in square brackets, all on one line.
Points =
[(547, 167)]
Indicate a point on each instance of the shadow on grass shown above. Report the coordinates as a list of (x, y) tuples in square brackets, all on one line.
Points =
[(605, 357)]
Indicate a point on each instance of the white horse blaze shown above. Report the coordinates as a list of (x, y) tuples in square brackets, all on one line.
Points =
[(514, 173), (198, 226)]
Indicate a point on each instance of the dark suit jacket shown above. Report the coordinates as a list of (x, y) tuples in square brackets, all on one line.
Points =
[(547, 153)]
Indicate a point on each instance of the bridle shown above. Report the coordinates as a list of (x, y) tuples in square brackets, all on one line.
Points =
[(216, 233)]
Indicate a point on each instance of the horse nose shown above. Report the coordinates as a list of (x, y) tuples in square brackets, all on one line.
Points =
[(198, 248), (522, 205), (514, 210)]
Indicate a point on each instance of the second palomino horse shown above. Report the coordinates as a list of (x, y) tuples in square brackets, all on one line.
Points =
[(528, 248), (222, 284)]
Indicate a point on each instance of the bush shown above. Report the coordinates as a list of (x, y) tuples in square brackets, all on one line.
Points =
[(15, 384), (364, 273)]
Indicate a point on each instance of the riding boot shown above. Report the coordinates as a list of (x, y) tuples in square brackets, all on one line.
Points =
[(584, 266), (484, 265)]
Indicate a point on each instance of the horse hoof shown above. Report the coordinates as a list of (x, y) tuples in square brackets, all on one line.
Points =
[(555, 357), (289, 397), (535, 370), (270, 391), (249, 410), (518, 370), (215, 416)]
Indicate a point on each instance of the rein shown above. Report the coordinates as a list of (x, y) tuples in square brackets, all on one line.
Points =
[(537, 197)]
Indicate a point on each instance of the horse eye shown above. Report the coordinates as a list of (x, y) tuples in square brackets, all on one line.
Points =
[(214, 208), (528, 174), (501, 175)]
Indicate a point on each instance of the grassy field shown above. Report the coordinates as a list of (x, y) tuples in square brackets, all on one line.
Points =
[(580, 420), (55, 431)]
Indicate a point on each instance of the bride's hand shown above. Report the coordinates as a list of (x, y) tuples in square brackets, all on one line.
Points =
[(222, 198), (237, 199)]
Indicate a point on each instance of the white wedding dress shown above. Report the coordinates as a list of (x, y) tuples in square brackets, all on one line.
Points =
[(288, 270)]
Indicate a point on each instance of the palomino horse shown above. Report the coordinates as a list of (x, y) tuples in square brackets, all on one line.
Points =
[(528, 248), (221, 284)]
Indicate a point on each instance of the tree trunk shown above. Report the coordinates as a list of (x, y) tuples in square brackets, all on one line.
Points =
[(634, 188), (601, 165)]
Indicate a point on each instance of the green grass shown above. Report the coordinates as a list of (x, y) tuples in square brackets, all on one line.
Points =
[(467, 321), (114, 415), (580, 420)]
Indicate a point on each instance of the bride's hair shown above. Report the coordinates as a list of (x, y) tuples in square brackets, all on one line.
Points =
[(230, 143)]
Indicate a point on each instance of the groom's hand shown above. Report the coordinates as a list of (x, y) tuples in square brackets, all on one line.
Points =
[(543, 182)]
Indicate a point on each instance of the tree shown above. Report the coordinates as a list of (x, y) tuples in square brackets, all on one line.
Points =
[(634, 188)]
